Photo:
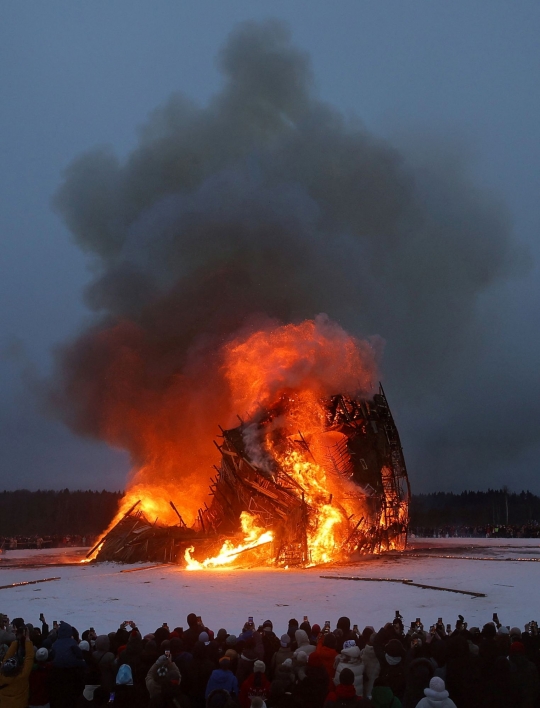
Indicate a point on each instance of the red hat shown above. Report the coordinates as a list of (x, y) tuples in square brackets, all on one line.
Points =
[(316, 629), (517, 648)]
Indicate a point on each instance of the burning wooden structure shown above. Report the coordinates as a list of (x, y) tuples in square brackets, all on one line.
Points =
[(338, 491)]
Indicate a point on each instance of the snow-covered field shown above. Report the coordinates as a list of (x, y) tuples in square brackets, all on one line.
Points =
[(102, 596)]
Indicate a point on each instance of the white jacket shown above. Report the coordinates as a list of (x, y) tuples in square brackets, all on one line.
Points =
[(372, 667), (302, 640), (350, 659), (436, 699)]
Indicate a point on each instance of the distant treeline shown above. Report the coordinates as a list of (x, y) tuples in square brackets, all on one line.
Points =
[(54, 513), (474, 508), (51, 513)]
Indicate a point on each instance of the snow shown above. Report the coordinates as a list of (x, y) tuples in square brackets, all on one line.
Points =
[(102, 596)]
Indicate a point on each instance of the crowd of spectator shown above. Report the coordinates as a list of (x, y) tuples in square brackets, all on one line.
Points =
[(531, 530), (13, 543), (305, 666)]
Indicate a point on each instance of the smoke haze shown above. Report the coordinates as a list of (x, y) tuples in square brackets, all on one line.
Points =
[(264, 205)]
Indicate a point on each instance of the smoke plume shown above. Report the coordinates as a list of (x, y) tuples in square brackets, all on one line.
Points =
[(265, 204)]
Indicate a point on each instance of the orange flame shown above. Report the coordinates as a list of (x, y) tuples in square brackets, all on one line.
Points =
[(303, 364), (254, 537)]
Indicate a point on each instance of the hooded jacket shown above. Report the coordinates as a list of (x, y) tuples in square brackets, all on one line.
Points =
[(436, 699), (65, 652), (153, 682), (350, 659), (302, 640), (221, 678), (328, 657), (14, 689), (372, 667)]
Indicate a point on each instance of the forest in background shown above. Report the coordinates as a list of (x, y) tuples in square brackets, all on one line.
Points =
[(494, 507), (56, 513), (65, 512)]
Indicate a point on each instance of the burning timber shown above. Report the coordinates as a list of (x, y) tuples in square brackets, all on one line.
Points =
[(359, 507)]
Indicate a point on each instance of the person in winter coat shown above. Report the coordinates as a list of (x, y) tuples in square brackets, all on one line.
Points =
[(419, 674), (526, 675), (326, 649), (350, 658), (104, 662), (284, 652), (126, 694), (39, 680), (161, 673), (222, 678), (436, 696), (299, 665), (245, 662), (344, 693), (285, 674), (382, 695), (255, 685), (291, 631), (393, 667), (197, 674), (67, 680), (311, 692), (14, 678), (372, 667), (271, 643), (303, 643), (65, 652), (344, 624)]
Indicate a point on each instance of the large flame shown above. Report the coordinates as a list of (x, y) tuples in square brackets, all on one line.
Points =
[(254, 537), (289, 370)]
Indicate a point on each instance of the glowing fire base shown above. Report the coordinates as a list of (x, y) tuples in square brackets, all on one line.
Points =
[(285, 496)]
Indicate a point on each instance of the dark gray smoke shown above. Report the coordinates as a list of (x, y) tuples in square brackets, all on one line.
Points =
[(266, 202)]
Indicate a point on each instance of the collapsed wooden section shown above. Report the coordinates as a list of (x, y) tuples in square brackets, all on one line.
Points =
[(361, 447)]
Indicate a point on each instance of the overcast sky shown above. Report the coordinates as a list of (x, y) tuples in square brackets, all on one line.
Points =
[(463, 75)]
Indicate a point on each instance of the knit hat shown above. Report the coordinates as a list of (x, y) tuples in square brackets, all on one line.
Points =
[(503, 630), (301, 657), (10, 667), (259, 667), (316, 629), (349, 643), (224, 663), (346, 677), (515, 632), (84, 646), (231, 640), (42, 654), (394, 648), (204, 638), (436, 689), (268, 623), (517, 648), (124, 677), (162, 659), (285, 640)]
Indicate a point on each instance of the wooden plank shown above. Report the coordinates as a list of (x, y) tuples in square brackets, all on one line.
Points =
[(404, 581), (27, 582)]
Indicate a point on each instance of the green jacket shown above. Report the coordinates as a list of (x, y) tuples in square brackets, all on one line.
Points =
[(383, 697)]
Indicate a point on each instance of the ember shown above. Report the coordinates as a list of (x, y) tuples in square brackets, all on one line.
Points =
[(308, 477)]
